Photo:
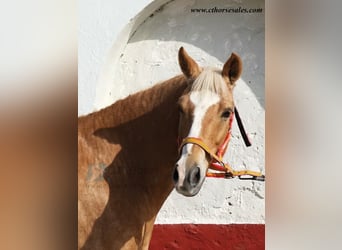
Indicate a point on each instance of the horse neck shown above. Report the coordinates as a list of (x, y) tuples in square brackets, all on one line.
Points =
[(134, 106), (145, 125)]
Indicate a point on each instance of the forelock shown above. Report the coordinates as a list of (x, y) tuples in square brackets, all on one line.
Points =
[(210, 79)]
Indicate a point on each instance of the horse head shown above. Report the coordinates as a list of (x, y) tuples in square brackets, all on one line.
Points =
[(205, 110)]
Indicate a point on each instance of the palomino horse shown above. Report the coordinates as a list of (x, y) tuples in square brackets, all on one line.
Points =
[(128, 152)]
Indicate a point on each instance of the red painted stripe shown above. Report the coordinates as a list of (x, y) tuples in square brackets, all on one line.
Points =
[(208, 237)]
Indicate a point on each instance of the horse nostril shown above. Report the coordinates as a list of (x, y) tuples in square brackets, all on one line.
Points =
[(175, 175), (194, 176)]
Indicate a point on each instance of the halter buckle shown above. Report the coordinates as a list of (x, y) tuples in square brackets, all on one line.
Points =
[(256, 178)]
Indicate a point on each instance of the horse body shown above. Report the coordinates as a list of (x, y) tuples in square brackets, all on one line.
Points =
[(126, 157), (128, 152)]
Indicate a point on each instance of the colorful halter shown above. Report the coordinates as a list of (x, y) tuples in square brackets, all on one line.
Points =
[(224, 170)]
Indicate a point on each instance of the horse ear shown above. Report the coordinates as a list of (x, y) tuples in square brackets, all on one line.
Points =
[(232, 69), (188, 66)]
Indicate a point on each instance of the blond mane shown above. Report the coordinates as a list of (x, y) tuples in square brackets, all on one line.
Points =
[(210, 79)]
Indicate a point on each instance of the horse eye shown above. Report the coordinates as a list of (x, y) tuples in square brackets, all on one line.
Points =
[(226, 114)]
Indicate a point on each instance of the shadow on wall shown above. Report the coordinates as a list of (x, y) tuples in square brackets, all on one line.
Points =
[(217, 34)]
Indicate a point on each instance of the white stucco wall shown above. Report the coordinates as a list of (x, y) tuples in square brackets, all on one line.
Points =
[(119, 56), (100, 23)]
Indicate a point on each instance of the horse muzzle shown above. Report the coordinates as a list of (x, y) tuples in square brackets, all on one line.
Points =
[(188, 182)]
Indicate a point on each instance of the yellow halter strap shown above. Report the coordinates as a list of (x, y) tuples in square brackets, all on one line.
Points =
[(217, 164)]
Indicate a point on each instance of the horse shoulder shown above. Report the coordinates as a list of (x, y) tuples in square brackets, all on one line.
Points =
[(93, 190)]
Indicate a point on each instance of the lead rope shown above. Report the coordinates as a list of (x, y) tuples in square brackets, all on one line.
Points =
[(241, 128), (225, 170)]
